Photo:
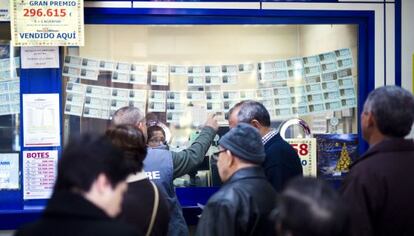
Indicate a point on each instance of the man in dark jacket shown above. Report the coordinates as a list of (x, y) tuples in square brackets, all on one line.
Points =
[(380, 187), (242, 205), (282, 163), (88, 192)]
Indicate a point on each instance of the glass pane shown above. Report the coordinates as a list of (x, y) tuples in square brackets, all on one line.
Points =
[(9, 111), (180, 73)]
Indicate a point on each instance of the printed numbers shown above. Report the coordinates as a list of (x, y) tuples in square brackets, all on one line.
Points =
[(303, 148), (40, 12)]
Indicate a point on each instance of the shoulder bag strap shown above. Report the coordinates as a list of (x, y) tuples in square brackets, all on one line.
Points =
[(254, 226), (154, 209)]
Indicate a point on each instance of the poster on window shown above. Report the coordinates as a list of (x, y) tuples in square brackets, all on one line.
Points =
[(4, 11), (9, 170), (40, 57), (306, 149), (336, 153), (41, 122), (39, 173), (47, 23)]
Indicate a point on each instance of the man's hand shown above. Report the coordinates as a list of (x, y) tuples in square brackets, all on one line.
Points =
[(212, 122)]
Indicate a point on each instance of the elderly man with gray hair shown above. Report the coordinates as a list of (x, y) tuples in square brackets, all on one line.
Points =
[(282, 163), (162, 165), (380, 187)]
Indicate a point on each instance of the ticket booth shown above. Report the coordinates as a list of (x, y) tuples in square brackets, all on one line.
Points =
[(180, 61)]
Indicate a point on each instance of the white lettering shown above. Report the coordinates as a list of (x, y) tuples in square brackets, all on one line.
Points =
[(153, 174), (156, 175)]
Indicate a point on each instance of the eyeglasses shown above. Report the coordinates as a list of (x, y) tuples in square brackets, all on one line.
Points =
[(216, 154)]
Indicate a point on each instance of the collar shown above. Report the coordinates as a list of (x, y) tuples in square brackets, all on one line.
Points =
[(66, 204), (388, 145), (247, 173), (161, 146), (268, 136), (137, 177)]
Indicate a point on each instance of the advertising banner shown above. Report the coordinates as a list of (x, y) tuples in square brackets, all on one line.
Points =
[(306, 149), (336, 153), (47, 23)]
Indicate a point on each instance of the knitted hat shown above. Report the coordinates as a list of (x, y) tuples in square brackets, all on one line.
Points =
[(245, 142)]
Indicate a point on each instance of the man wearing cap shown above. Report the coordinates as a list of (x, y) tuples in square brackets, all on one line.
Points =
[(242, 205)]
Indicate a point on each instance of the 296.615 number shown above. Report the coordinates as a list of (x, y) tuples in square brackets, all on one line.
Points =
[(41, 12)]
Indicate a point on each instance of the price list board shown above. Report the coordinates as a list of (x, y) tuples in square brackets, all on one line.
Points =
[(39, 173)]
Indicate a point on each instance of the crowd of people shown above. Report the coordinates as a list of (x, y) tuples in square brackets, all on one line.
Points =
[(121, 183)]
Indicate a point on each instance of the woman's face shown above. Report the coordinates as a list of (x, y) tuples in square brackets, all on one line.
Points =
[(156, 139)]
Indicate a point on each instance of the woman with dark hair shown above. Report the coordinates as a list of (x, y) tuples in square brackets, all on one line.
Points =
[(144, 206), (156, 136)]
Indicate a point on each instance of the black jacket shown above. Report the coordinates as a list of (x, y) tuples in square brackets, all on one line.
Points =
[(282, 163), (240, 207), (69, 214), (380, 190), (138, 205)]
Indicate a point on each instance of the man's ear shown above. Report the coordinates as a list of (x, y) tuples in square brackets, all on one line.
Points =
[(371, 121), (230, 159), (255, 123), (140, 126), (101, 183)]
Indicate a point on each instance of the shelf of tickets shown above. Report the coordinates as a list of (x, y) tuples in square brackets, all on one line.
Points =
[(9, 83), (320, 90), (9, 123)]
